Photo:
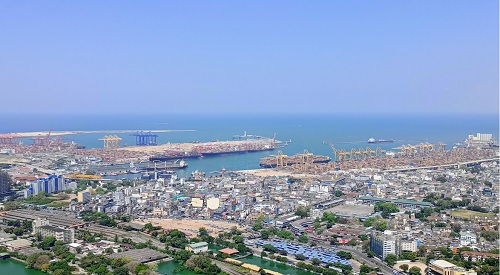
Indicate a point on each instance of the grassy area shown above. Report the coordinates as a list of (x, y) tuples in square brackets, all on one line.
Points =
[(39, 201), (466, 214), (58, 203)]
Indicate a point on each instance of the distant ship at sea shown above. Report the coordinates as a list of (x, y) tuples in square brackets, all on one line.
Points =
[(373, 140)]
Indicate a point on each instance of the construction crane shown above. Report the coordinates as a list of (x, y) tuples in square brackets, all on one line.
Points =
[(47, 138), (280, 159), (441, 145)]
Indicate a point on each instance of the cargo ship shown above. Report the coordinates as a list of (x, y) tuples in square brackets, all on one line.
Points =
[(272, 161), (161, 165), (372, 140), (173, 155), (236, 147)]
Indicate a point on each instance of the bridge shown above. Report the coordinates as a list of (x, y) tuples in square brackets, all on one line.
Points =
[(475, 162)]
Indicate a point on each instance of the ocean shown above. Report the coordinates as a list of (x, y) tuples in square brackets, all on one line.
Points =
[(311, 132)]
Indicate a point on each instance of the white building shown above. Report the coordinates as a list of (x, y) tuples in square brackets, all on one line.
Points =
[(467, 238), (384, 244), (409, 245), (197, 247), (42, 227), (480, 138)]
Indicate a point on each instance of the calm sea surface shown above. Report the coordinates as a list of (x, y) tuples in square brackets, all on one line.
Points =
[(311, 132)]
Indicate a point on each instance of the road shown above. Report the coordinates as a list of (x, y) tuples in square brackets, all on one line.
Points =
[(362, 257)]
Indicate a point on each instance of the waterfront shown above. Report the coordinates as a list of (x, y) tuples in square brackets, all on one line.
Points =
[(313, 132), (11, 266), (169, 267)]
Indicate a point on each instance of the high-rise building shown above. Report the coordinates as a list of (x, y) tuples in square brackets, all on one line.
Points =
[(84, 196), (384, 244), (5, 183), (52, 183)]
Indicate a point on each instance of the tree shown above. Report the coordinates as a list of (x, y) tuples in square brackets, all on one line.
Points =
[(315, 261), (386, 208), (344, 254), (47, 243), (303, 239), (352, 242), (122, 270), (414, 270), (404, 267), (364, 269), (300, 257), (302, 211), (391, 259)]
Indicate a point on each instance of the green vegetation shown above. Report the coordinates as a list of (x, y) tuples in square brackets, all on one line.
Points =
[(466, 214), (202, 264), (490, 236), (377, 222), (303, 211), (391, 259), (386, 208), (101, 217), (344, 254), (40, 199), (414, 270), (174, 238), (329, 218)]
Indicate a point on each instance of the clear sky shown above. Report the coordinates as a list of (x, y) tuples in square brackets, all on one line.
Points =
[(428, 56)]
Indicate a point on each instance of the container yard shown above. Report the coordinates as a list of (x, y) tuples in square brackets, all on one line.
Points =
[(408, 157), (281, 160)]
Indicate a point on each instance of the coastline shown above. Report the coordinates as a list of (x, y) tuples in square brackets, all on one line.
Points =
[(63, 133)]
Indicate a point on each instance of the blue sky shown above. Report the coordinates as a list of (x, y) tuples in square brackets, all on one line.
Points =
[(249, 56)]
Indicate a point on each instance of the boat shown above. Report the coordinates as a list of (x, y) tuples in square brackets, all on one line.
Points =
[(162, 165), (173, 155), (373, 140)]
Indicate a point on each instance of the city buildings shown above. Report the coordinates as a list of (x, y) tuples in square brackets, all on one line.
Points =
[(42, 227), (52, 183), (385, 244), (197, 247), (84, 196), (443, 267)]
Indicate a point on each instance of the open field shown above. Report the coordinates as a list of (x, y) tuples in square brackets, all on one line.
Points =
[(466, 214), (192, 226)]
